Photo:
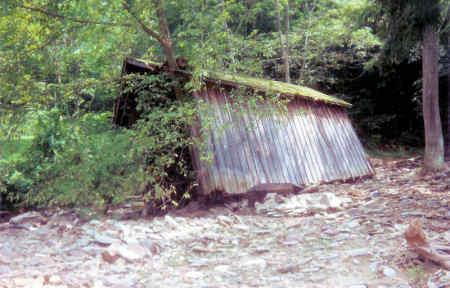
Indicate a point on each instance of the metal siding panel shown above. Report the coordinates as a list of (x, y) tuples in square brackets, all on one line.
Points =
[(253, 145), (326, 140), (262, 152), (310, 148), (349, 143), (269, 135), (302, 140), (342, 147), (362, 165), (298, 147), (293, 109), (253, 176), (209, 183), (356, 154), (323, 152), (273, 130), (236, 153), (296, 164), (281, 123), (228, 169), (335, 145)]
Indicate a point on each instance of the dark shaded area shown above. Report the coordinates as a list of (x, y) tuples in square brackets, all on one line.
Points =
[(387, 106), (139, 96), (125, 109)]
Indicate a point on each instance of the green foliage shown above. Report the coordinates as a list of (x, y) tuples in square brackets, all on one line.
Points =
[(59, 75), (70, 162), (162, 142), (83, 161), (404, 22)]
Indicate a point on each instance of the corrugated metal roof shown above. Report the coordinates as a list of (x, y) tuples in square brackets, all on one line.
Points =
[(311, 143), (278, 87), (257, 83)]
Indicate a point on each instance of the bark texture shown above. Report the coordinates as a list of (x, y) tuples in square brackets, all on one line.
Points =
[(447, 146), (287, 52), (166, 40), (163, 36), (434, 143), (282, 46)]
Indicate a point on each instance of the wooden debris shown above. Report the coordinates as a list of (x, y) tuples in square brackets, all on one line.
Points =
[(415, 236), (417, 242), (258, 193)]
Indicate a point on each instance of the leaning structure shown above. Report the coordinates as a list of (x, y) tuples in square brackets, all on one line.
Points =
[(312, 141)]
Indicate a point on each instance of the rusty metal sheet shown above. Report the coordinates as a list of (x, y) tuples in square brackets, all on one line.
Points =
[(313, 142)]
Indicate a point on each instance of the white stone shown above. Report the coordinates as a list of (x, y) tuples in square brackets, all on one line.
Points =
[(389, 272), (172, 223), (25, 217), (257, 262), (222, 269), (358, 252), (54, 279), (130, 252), (241, 227), (30, 282), (104, 239), (194, 275), (98, 284)]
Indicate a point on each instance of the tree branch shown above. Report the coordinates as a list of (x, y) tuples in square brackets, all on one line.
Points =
[(55, 15), (144, 27)]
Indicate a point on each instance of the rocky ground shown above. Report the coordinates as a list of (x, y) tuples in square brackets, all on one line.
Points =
[(335, 235)]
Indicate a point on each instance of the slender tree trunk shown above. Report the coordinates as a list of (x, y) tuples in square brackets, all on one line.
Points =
[(447, 123), (166, 43), (303, 77), (447, 146), (166, 40), (283, 50), (287, 53), (434, 143), (163, 36)]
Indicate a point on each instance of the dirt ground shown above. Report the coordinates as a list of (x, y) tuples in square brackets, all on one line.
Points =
[(354, 238)]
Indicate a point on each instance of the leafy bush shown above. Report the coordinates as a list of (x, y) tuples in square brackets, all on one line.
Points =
[(162, 141), (86, 162), (70, 162)]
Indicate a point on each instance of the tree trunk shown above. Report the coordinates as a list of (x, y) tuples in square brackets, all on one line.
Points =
[(447, 146), (283, 50), (287, 53), (166, 43), (163, 36), (434, 143), (166, 40)]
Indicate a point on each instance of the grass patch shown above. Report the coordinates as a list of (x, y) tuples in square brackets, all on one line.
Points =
[(13, 148), (393, 151)]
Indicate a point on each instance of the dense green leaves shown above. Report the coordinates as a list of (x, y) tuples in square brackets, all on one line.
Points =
[(60, 64), (404, 22)]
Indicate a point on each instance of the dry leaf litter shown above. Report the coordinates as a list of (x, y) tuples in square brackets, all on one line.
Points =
[(346, 235)]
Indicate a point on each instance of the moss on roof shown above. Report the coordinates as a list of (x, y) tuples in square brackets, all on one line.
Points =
[(279, 87), (270, 85)]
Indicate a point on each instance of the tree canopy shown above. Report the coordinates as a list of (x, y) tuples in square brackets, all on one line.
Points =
[(60, 49), (60, 64)]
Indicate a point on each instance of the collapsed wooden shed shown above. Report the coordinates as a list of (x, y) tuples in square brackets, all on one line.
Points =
[(312, 142)]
